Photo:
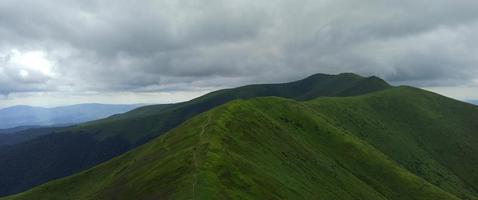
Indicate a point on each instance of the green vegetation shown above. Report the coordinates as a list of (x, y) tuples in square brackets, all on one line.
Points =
[(148, 122), (71, 150), (399, 143)]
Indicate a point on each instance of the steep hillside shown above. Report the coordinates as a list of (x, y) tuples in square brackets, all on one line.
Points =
[(401, 143), (72, 150), (430, 135), (143, 123)]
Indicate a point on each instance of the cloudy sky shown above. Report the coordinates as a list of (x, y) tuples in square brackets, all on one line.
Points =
[(57, 52)]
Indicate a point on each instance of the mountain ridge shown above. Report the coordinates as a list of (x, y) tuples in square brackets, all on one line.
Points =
[(313, 86), (123, 132), (362, 147)]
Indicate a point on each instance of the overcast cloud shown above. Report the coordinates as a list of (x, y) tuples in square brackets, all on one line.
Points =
[(59, 52)]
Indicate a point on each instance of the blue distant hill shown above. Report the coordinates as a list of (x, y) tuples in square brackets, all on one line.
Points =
[(17, 116), (473, 102)]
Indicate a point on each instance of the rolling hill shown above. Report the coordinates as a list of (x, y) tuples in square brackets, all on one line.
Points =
[(83, 146), (17, 116), (399, 143)]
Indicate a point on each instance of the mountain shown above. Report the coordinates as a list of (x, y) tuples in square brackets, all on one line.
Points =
[(399, 143), (143, 123), (474, 102), (18, 116), (83, 146)]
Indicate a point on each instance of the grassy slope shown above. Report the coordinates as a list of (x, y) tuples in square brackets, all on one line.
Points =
[(150, 121), (430, 135), (71, 150), (401, 143)]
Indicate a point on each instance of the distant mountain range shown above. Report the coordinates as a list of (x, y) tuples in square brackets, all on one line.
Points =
[(324, 137), (27, 116)]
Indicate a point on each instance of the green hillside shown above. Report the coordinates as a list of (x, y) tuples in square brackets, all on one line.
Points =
[(70, 150), (149, 121), (400, 143)]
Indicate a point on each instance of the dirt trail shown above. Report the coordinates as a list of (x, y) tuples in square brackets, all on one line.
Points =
[(195, 156)]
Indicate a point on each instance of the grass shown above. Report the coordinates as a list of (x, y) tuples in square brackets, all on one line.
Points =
[(400, 143), (71, 150), (148, 122)]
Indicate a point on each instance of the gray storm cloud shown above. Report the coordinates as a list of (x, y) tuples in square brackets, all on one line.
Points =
[(185, 45)]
